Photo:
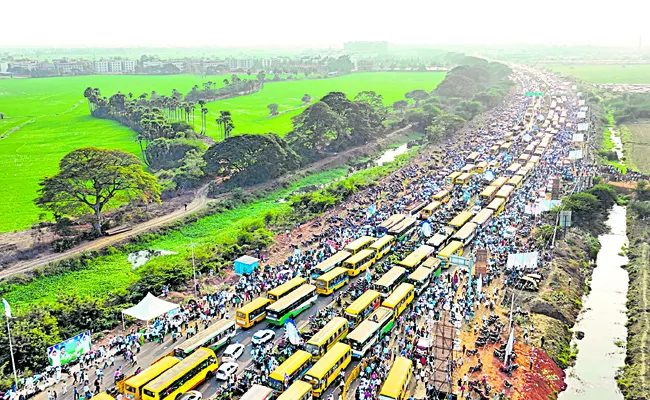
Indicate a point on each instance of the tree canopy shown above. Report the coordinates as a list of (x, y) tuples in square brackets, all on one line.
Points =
[(90, 179), (250, 159)]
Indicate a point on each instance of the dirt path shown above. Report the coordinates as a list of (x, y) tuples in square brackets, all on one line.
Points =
[(200, 200)]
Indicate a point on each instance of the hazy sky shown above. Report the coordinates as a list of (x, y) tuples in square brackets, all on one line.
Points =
[(284, 23)]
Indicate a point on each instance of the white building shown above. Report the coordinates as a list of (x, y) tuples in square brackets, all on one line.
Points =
[(267, 62), (128, 66), (116, 66), (4, 66), (236, 63), (101, 67), (67, 68)]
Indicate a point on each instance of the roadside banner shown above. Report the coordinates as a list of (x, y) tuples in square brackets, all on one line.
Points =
[(69, 350)]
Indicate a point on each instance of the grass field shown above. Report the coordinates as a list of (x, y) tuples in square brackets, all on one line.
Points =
[(47, 118), (250, 114), (606, 73), (638, 147)]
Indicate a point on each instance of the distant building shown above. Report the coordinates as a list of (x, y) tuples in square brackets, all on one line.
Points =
[(236, 63), (70, 68), (114, 66), (267, 62), (129, 65), (101, 67), (4, 67), (365, 65), (366, 47)]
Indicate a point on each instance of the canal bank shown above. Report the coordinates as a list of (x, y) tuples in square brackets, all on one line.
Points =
[(602, 320)]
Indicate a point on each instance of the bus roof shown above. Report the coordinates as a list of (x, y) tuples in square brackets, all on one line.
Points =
[(451, 248), (359, 256), (279, 290), (358, 243), (505, 191), (333, 260), (332, 274), (200, 337), (513, 167), (496, 203), (421, 273), (325, 363), (464, 176), (325, 332), (392, 220), (483, 216), (151, 372), (399, 292), (102, 396), (171, 373), (359, 304), (288, 299), (257, 392), (295, 391), (488, 191), (360, 333), (516, 179), (500, 181), (416, 256), (430, 263), (404, 224), (380, 314), (432, 206), (441, 194), (482, 164), (390, 276), (290, 365), (460, 219), (468, 167), (474, 155), (394, 382), (254, 305), (381, 242), (465, 231)]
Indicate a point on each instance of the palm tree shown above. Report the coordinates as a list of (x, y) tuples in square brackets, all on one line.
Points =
[(225, 123)]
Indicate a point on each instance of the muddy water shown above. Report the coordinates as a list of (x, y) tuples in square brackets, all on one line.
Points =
[(602, 320), (390, 154)]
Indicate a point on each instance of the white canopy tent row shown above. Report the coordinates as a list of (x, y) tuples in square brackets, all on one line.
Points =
[(149, 308)]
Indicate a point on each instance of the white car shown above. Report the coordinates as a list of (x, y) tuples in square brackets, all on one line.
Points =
[(226, 370), (232, 352), (263, 336), (510, 232), (191, 395)]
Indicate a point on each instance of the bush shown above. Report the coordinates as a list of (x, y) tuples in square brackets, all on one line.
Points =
[(63, 244)]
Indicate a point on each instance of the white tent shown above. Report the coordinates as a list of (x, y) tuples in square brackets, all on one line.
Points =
[(149, 308)]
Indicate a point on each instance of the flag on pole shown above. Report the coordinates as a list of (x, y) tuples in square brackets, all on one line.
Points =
[(479, 284), (7, 308), (509, 346)]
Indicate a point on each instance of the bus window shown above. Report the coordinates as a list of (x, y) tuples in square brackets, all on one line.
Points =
[(329, 264), (328, 368), (293, 367), (218, 334), (454, 248), (389, 281), (420, 279), (401, 297), (133, 385), (360, 262), (359, 244), (382, 246)]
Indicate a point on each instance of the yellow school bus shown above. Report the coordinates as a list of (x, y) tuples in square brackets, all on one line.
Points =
[(524, 171), (497, 205), (286, 288), (473, 157), (442, 196), (468, 169), (505, 191), (132, 386), (420, 278), (359, 244), (506, 147), (464, 179), (401, 297), (102, 396), (360, 262), (329, 264), (299, 390), (416, 257), (335, 330), (483, 217), (454, 248), (258, 392), (333, 280), (429, 209), (328, 368), (382, 246), (529, 149), (460, 219), (534, 159), (494, 149), (481, 167), (396, 385), (466, 233), (362, 307), (500, 181), (451, 178), (389, 281), (488, 194), (523, 158), (293, 367), (512, 169), (184, 376), (252, 313), (516, 181)]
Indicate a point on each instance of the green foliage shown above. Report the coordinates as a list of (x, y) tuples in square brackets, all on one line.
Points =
[(91, 179), (543, 234), (250, 159), (167, 154), (445, 125)]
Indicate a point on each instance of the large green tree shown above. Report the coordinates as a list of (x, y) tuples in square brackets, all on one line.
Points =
[(92, 179), (314, 129), (250, 159), (445, 125)]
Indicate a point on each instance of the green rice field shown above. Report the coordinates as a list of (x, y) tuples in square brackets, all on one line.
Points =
[(47, 118), (606, 73)]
